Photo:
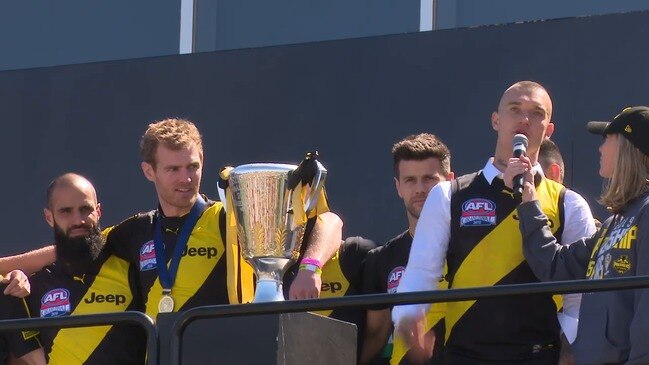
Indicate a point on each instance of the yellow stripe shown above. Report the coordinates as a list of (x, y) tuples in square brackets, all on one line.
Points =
[(500, 252), (436, 313), (192, 270), (333, 273), (75, 345)]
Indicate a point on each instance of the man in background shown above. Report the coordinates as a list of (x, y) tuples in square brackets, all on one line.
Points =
[(420, 162)]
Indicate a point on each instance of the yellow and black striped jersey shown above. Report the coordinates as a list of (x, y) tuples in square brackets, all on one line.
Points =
[(485, 249), (107, 286)]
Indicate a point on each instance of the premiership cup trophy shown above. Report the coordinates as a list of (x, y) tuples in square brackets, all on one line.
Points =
[(271, 203)]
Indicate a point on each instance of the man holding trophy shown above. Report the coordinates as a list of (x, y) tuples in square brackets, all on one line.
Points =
[(186, 249), (272, 203)]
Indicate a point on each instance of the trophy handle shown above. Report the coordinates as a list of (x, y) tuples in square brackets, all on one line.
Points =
[(316, 185), (311, 173)]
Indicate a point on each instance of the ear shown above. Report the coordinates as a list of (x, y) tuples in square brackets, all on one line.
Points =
[(49, 217), (450, 176), (396, 185), (494, 120), (149, 171), (98, 209), (549, 130), (555, 172)]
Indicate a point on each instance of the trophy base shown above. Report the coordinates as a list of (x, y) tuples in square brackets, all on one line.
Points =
[(268, 291)]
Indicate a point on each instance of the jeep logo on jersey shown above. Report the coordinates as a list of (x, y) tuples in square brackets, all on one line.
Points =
[(55, 303), (333, 287), (147, 256), (394, 277), (208, 252), (478, 212), (118, 299)]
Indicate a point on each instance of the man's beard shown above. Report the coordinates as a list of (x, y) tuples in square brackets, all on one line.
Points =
[(414, 212), (78, 251)]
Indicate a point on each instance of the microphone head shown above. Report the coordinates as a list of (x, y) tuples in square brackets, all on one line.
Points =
[(520, 142)]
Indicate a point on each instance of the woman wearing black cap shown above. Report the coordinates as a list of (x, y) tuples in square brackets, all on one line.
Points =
[(613, 325)]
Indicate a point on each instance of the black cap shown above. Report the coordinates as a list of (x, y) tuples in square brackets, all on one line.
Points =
[(632, 123)]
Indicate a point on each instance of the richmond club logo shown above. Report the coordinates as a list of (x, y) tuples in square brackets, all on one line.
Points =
[(147, 257), (478, 212), (55, 303), (394, 277)]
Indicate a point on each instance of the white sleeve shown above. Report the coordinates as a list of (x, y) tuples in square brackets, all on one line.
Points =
[(428, 251), (578, 224)]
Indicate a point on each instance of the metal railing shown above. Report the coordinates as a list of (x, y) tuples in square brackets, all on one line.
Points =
[(360, 301), (87, 320)]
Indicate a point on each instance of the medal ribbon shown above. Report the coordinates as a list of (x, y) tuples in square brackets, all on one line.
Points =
[(168, 275)]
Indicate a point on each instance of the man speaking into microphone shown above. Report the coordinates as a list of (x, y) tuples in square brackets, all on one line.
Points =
[(470, 224)]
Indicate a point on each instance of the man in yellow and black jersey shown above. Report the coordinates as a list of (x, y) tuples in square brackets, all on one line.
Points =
[(342, 276), (202, 268), (202, 273), (203, 265), (470, 225), (420, 162), (85, 279)]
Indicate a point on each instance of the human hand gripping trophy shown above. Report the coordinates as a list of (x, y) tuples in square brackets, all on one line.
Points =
[(271, 203)]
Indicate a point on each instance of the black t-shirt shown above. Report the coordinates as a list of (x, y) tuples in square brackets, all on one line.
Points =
[(385, 265), (382, 273)]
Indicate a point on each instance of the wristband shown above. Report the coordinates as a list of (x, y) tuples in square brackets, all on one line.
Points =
[(311, 267), (308, 261)]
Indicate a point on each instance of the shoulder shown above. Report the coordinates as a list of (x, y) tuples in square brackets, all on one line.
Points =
[(133, 222), (573, 201), (42, 280), (355, 250), (399, 240), (440, 193), (358, 243), (214, 208), (389, 248)]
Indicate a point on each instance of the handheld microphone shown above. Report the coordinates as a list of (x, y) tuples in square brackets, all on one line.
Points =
[(520, 149)]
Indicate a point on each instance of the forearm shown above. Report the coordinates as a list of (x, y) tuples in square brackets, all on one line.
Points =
[(546, 257), (28, 262), (377, 332), (326, 237), (36, 357)]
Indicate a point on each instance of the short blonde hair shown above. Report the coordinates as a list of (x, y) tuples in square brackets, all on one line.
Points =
[(630, 177), (173, 133)]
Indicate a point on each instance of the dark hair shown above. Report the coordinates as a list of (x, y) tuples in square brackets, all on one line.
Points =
[(420, 147)]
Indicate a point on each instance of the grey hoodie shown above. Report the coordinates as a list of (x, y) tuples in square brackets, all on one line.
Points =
[(613, 325)]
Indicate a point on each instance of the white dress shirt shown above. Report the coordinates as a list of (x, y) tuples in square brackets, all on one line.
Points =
[(433, 232)]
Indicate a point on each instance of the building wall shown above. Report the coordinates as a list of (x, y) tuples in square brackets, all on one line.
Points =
[(348, 99), (470, 13), (46, 33)]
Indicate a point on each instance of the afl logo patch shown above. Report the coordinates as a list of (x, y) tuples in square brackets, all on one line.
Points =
[(394, 277), (55, 303), (147, 256), (478, 212)]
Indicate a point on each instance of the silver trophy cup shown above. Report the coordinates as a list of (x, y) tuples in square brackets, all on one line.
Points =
[(271, 219)]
